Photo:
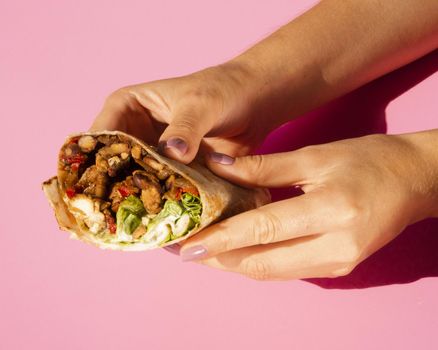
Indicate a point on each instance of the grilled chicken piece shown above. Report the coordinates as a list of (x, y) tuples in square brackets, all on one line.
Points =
[(113, 158), (114, 149), (107, 139), (152, 166), (176, 186), (150, 191), (93, 182), (151, 198), (164, 173), (136, 152), (120, 191), (153, 163)]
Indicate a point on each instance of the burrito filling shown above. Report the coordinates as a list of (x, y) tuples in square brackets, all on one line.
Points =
[(123, 195)]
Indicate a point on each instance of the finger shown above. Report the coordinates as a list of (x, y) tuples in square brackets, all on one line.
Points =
[(181, 139), (272, 170), (296, 217), (122, 111), (231, 146), (173, 248), (306, 257), (116, 105)]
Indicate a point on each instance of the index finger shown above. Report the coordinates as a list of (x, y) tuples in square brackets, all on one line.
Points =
[(296, 217), (122, 111)]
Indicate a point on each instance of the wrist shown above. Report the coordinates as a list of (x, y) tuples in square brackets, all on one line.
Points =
[(424, 181), (250, 94), (283, 87)]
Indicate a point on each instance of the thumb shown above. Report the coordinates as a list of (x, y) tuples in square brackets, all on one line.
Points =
[(272, 170), (181, 139)]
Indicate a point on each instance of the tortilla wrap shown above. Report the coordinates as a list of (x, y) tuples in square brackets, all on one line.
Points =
[(114, 191)]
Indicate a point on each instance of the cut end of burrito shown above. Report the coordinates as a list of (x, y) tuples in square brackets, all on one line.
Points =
[(114, 191), (122, 195)]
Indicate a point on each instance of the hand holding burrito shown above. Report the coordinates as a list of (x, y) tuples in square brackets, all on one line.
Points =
[(359, 194), (116, 192), (216, 109)]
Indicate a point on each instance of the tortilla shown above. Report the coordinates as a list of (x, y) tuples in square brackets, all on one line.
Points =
[(109, 175)]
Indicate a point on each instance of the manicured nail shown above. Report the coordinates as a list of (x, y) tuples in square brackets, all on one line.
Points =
[(193, 253), (176, 143), (221, 158), (173, 248)]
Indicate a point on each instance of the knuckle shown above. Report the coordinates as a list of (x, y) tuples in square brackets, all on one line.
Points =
[(265, 227), (348, 259), (257, 269), (349, 210), (255, 167), (313, 157), (352, 255), (257, 161), (343, 271), (343, 258), (119, 94), (185, 122), (119, 97), (351, 214), (225, 242)]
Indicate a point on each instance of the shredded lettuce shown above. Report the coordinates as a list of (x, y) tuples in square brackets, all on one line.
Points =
[(129, 215), (171, 208), (192, 204), (175, 220), (183, 225), (181, 216)]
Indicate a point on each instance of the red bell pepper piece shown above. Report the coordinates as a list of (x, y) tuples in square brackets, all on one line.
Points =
[(70, 192), (75, 166), (124, 191)]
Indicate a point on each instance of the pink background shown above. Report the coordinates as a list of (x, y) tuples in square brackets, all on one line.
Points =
[(58, 61)]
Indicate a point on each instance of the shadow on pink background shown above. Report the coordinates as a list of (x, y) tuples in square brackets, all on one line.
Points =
[(413, 254)]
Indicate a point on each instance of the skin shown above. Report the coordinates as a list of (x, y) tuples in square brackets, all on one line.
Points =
[(375, 185), (359, 194)]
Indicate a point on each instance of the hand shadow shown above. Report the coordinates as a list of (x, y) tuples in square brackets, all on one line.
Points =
[(414, 253)]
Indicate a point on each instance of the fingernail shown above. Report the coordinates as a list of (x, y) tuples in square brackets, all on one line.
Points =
[(173, 248), (176, 143), (221, 158), (193, 253)]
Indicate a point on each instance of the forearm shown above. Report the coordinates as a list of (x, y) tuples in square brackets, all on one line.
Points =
[(334, 48)]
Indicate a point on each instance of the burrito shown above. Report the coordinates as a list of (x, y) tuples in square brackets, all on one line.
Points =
[(117, 192)]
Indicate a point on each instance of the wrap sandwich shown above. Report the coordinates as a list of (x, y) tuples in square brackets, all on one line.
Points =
[(114, 191)]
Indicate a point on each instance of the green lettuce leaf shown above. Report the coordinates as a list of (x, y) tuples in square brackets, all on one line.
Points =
[(175, 219), (170, 208), (192, 204), (183, 225), (129, 214)]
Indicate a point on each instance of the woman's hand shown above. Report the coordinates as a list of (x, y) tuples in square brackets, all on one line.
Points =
[(359, 194), (309, 61), (179, 112)]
